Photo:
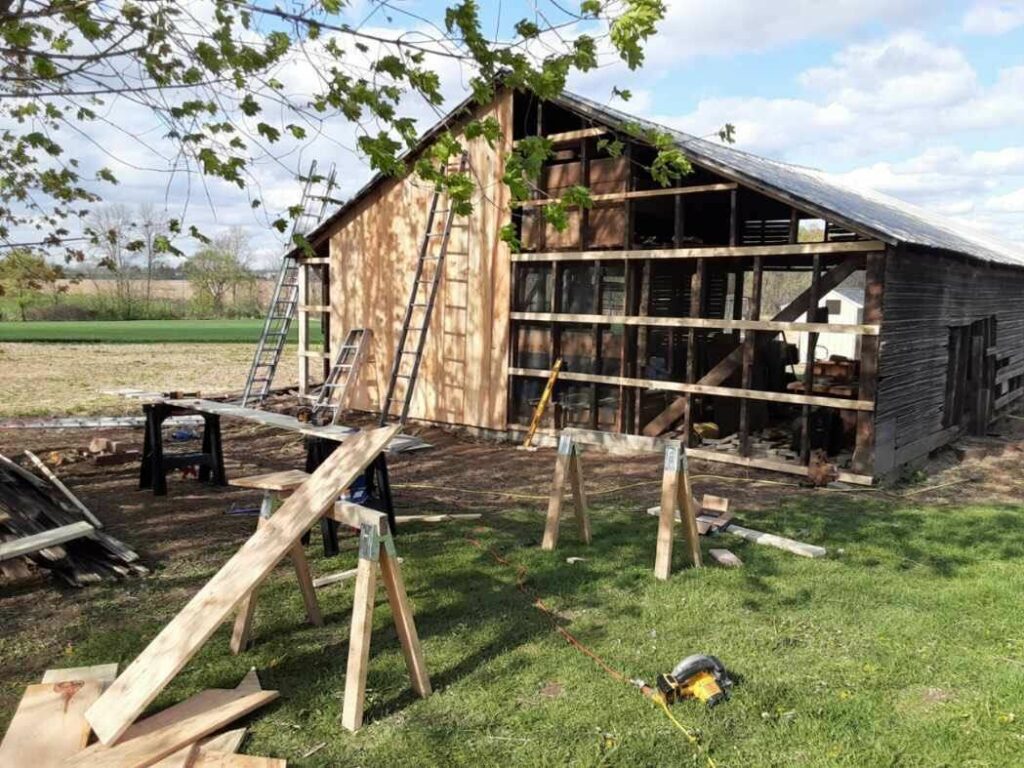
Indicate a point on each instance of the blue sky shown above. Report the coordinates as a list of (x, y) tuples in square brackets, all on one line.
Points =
[(922, 100)]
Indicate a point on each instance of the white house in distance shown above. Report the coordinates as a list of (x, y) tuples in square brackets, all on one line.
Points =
[(845, 305)]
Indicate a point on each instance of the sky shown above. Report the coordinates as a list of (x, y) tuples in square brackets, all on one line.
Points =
[(918, 99)]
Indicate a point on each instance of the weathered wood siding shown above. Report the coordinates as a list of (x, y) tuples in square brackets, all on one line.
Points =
[(464, 374), (925, 293)]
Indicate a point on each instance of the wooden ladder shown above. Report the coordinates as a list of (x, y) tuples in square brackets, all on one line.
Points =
[(413, 336), (333, 395)]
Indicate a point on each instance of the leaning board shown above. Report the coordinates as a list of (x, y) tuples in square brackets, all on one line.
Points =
[(170, 650), (49, 725)]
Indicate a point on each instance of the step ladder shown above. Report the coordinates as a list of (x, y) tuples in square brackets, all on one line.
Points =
[(316, 196), (413, 336), (333, 395)]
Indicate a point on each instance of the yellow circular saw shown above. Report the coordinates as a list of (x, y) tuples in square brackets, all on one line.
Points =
[(699, 677)]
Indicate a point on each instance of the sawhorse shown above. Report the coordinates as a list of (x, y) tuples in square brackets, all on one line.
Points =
[(155, 465), (675, 491), (276, 486)]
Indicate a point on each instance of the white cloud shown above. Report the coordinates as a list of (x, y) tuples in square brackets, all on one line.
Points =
[(900, 97), (993, 17)]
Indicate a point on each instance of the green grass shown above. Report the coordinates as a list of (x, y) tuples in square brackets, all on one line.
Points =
[(140, 331), (902, 648)]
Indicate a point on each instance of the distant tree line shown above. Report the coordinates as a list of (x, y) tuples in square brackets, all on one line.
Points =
[(128, 257)]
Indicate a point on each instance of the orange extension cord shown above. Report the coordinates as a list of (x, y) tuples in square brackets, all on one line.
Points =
[(615, 674)]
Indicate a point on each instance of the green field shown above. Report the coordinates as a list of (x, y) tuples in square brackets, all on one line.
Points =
[(140, 331)]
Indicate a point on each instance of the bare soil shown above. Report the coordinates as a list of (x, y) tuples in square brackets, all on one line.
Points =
[(43, 380)]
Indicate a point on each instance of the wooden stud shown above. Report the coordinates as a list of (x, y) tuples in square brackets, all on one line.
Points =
[(698, 283), (812, 342), (405, 624), (579, 495), (688, 511), (796, 250), (616, 197), (842, 403), (749, 350), (359, 643)]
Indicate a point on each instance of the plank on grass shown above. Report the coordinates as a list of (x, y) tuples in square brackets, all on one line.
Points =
[(170, 650), (103, 673), (150, 740), (28, 545), (49, 725), (229, 741), (227, 760)]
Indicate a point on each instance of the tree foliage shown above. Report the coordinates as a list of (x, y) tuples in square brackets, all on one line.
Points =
[(218, 270), (26, 277), (211, 72)]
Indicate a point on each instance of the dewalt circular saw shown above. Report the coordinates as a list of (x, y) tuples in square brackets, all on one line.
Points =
[(699, 677)]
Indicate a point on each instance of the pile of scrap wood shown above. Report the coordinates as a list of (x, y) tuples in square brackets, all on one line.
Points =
[(43, 522), (49, 727)]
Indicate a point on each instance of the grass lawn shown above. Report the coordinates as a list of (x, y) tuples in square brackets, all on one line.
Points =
[(141, 331), (902, 648)]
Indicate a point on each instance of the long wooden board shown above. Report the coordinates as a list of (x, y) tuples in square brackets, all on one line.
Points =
[(28, 545), (170, 650), (650, 321), (49, 725), (707, 252), (150, 740)]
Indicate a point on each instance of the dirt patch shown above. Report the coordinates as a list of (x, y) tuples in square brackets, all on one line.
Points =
[(69, 379)]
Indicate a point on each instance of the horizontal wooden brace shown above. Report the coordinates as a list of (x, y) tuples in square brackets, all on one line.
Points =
[(315, 261), (696, 322), (702, 389), (612, 197), (314, 354), (567, 136), (708, 252), (321, 309)]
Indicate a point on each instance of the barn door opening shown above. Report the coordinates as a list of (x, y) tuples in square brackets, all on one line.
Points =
[(970, 375)]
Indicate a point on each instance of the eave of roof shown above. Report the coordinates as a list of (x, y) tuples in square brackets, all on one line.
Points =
[(872, 213)]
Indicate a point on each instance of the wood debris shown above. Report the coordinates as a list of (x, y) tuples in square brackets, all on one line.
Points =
[(45, 511)]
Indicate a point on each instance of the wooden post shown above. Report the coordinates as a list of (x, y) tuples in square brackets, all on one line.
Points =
[(864, 452), (579, 495), (405, 624), (325, 319), (749, 350), (643, 308), (359, 634), (697, 285), (812, 342), (675, 494)]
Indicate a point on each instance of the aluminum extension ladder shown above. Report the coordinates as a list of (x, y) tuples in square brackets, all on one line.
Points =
[(283, 304), (413, 336)]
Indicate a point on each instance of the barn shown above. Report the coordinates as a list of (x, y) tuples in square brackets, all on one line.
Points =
[(696, 309)]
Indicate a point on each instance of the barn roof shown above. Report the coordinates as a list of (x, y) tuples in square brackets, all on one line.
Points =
[(875, 214)]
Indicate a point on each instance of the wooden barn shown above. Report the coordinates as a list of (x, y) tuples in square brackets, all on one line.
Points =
[(679, 309)]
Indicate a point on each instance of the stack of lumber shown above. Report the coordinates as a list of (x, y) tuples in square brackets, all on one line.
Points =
[(49, 728), (43, 522)]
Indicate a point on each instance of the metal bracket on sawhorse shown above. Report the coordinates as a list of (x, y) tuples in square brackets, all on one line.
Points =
[(155, 465)]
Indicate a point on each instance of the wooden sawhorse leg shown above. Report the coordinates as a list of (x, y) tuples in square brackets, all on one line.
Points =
[(567, 466), (374, 531), (675, 494), (242, 632)]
